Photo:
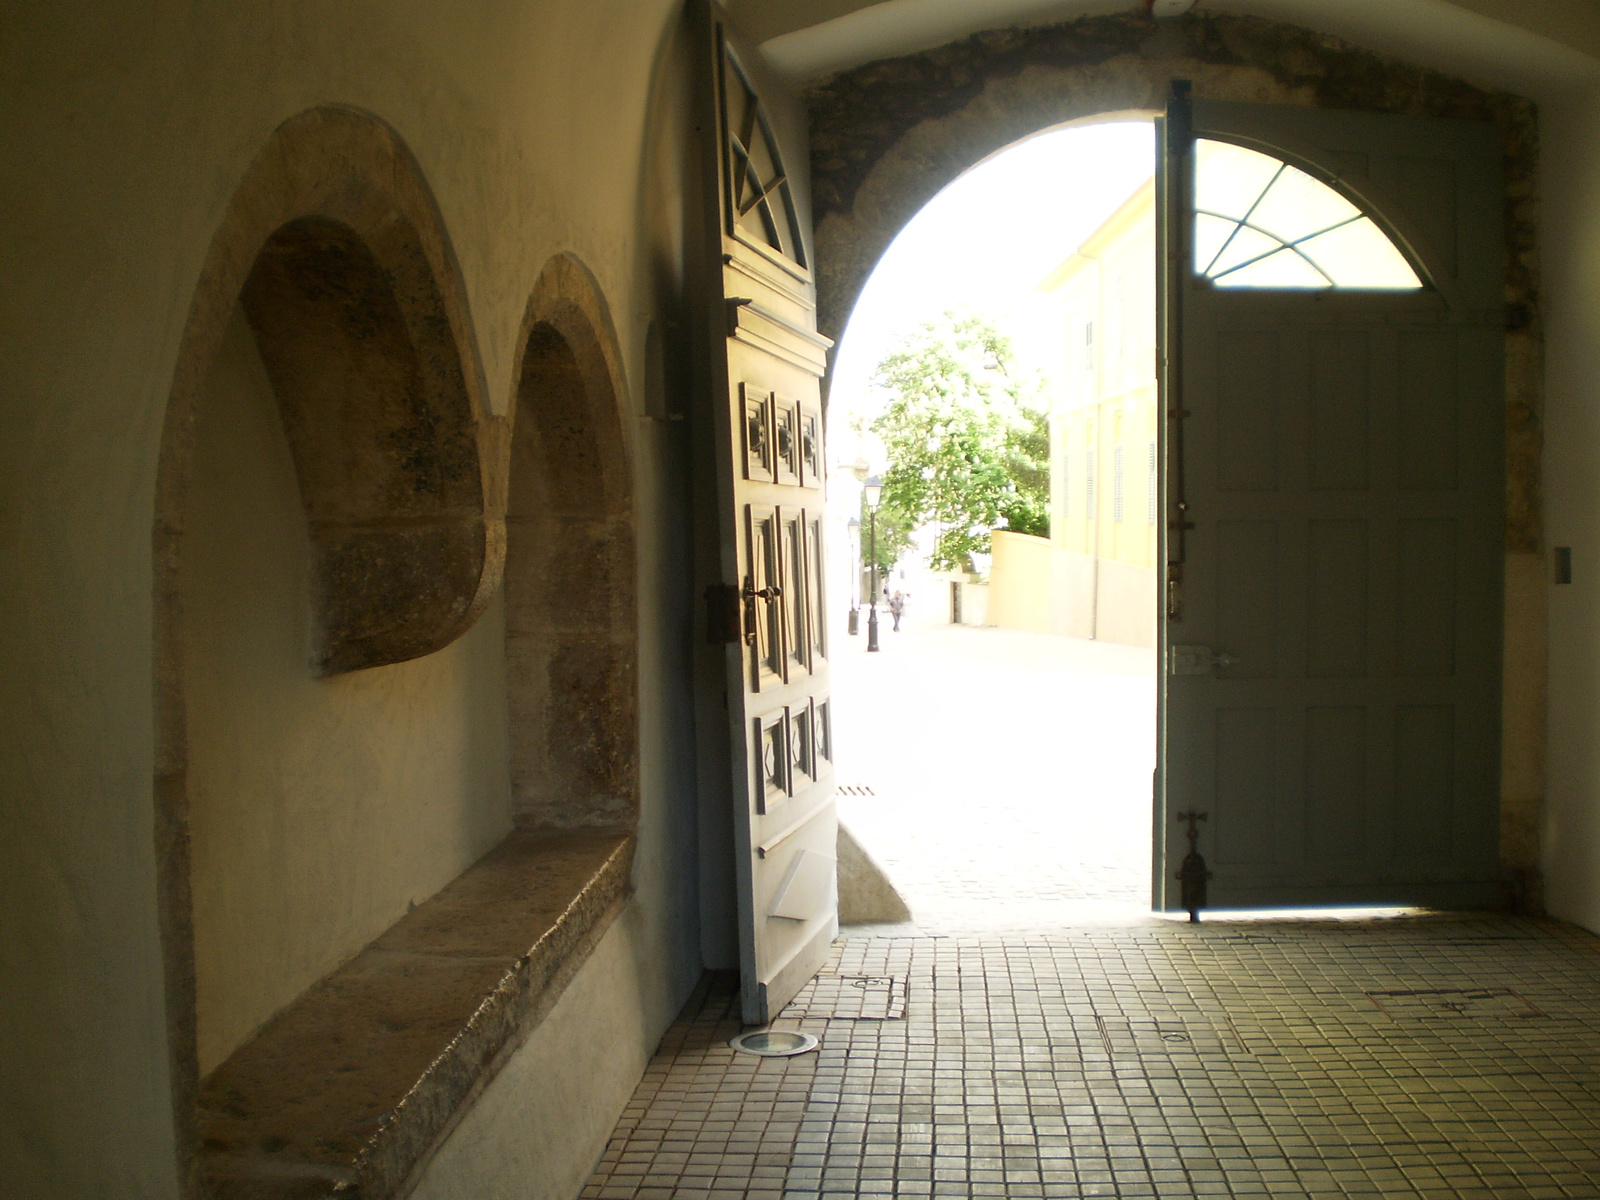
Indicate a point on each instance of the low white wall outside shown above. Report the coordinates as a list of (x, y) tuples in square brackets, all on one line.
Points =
[(1038, 587), (974, 603), (1019, 582)]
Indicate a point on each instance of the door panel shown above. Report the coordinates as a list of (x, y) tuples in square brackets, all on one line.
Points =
[(1337, 579), (1334, 542), (763, 366)]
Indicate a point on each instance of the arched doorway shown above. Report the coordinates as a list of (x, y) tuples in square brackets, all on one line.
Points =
[(887, 138), (997, 753)]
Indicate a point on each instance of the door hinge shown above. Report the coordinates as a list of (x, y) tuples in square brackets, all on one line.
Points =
[(1180, 118), (724, 618)]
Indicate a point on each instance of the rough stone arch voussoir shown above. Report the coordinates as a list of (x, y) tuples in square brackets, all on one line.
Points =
[(888, 136), (570, 579)]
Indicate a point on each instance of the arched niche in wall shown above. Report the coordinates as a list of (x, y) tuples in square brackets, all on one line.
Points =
[(330, 278), (374, 400), (570, 575), (337, 251)]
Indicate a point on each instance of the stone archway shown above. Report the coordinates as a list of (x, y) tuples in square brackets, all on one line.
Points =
[(571, 602), (330, 292), (888, 136)]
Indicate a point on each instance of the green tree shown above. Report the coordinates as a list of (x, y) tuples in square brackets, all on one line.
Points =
[(967, 437), (894, 529)]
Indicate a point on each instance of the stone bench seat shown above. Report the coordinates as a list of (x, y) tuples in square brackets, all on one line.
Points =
[(347, 1091)]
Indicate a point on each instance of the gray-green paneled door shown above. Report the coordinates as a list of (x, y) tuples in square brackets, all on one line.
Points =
[(1334, 493), (762, 369)]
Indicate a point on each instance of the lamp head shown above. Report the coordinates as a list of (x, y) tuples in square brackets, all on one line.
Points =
[(872, 489)]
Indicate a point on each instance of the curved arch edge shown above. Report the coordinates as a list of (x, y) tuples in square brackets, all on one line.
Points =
[(571, 579), (347, 166), (568, 298)]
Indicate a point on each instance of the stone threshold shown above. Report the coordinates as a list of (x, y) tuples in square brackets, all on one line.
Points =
[(348, 1090)]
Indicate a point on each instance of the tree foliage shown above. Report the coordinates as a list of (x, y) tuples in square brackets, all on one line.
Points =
[(967, 437), (894, 532)]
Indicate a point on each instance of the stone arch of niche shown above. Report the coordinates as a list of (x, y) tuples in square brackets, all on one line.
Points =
[(570, 576), (888, 136), (335, 250)]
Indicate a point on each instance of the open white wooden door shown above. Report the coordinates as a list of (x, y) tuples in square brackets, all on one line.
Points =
[(765, 362), (1333, 374)]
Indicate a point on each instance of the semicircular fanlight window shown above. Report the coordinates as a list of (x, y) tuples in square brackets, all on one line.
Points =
[(1260, 223)]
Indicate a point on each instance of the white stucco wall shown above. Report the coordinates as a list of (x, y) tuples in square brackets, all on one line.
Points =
[(540, 1126), (1571, 140), (319, 808), (131, 125)]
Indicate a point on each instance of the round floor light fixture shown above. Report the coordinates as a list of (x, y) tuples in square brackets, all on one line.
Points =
[(774, 1043)]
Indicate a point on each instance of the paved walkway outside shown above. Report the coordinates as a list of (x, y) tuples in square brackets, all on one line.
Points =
[(1009, 772), (1421, 1058)]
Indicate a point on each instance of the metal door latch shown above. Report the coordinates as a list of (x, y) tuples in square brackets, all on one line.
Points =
[(750, 594), (1192, 875), (1197, 660)]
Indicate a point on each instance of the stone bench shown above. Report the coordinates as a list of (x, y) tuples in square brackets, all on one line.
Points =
[(347, 1091)]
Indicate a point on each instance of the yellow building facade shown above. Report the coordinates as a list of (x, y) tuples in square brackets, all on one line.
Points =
[(1100, 578), (1103, 421)]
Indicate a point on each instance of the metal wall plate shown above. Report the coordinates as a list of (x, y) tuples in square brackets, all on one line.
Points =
[(774, 1043)]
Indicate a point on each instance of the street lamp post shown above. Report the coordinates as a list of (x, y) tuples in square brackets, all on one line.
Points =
[(872, 489), (855, 587)]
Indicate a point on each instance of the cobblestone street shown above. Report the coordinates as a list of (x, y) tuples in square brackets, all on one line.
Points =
[(1009, 772)]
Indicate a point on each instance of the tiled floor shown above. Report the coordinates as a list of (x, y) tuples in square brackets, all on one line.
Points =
[(1417, 1057), (1424, 1057)]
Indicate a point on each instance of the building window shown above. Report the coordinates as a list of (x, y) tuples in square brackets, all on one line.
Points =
[(1116, 485), (1260, 223), (1088, 485), (1151, 503), (1088, 345)]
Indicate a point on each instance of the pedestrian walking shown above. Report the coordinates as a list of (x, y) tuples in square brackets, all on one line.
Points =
[(897, 605)]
